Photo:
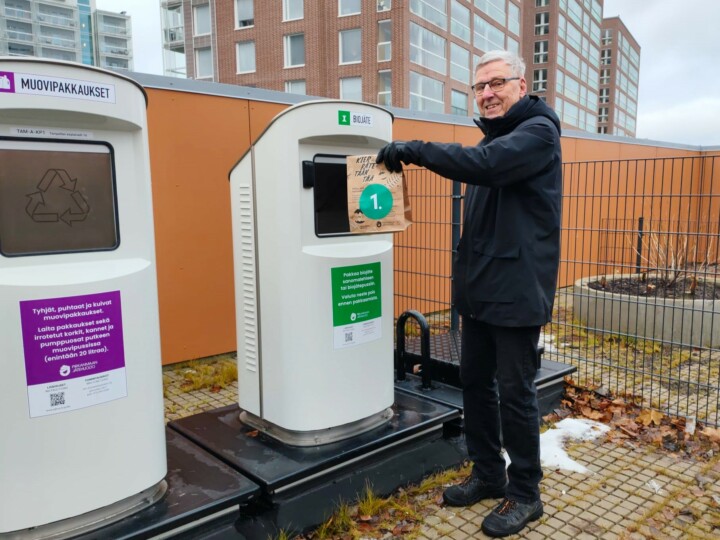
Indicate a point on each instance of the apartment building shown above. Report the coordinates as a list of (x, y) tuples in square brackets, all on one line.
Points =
[(414, 54), (619, 77), (71, 30)]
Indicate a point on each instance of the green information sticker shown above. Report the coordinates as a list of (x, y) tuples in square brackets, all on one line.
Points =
[(344, 118), (356, 293), (376, 201)]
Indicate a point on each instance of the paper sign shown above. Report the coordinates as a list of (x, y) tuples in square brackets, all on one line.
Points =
[(377, 198)]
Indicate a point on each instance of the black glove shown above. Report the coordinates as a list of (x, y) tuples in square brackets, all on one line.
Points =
[(395, 152)]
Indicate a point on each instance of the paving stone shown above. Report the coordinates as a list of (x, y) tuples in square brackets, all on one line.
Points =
[(612, 503)]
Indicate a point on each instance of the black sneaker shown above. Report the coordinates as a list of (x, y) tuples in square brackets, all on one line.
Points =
[(510, 517), (472, 490)]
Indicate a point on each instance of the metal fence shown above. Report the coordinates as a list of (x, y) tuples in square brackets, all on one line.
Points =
[(637, 310)]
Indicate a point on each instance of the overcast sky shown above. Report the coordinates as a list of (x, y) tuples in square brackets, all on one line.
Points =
[(679, 98)]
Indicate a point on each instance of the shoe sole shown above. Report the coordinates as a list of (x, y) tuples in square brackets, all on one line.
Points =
[(499, 534), (499, 494)]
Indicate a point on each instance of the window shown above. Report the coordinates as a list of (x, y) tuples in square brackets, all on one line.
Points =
[(603, 114), (292, 10), (433, 11), (606, 57), (350, 52), (458, 103), (542, 3), (295, 87), (602, 129), (487, 37), (514, 18), (351, 88), (459, 63), (244, 13), (426, 93), (348, 7), (245, 57), (384, 5), (460, 21), (91, 165), (539, 80), (295, 50), (384, 48), (201, 20), (494, 8), (542, 23), (541, 52), (427, 49), (203, 63), (385, 87), (571, 114), (604, 95), (607, 36), (512, 45)]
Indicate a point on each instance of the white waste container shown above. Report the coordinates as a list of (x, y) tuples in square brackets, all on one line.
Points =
[(81, 404), (314, 303)]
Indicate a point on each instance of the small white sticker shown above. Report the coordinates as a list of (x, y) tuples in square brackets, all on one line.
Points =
[(50, 133)]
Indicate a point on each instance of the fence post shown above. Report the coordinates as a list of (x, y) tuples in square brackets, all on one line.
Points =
[(638, 257), (455, 234)]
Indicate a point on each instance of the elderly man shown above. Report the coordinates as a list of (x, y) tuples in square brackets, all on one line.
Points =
[(504, 279)]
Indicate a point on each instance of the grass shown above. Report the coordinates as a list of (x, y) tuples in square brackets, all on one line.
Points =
[(214, 373), (399, 515)]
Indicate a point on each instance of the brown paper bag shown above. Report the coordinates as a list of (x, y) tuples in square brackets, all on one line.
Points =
[(378, 199)]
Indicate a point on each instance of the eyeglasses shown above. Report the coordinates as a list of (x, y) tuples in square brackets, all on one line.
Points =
[(495, 84)]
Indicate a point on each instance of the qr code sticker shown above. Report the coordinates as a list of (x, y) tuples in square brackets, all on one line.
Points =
[(348, 337), (57, 399)]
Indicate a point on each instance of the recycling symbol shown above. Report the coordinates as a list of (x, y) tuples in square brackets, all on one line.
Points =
[(57, 199)]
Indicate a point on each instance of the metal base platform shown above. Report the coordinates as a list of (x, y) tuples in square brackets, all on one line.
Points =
[(302, 486), (549, 382), (200, 488)]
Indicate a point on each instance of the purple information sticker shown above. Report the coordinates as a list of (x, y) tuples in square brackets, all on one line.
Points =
[(7, 82), (74, 354)]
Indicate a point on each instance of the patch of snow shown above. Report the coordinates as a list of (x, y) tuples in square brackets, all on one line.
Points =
[(552, 451), (552, 443)]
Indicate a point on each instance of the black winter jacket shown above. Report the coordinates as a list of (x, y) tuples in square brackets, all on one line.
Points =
[(506, 265)]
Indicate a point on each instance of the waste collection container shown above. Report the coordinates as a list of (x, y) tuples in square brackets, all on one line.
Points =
[(314, 303), (81, 406)]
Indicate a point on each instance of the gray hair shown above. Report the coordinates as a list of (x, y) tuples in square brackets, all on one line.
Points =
[(517, 64)]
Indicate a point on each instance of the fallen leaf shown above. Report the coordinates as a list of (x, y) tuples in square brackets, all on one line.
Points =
[(589, 413), (712, 433), (254, 433), (649, 416)]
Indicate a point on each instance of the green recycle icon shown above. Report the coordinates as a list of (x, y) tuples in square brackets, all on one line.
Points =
[(57, 199)]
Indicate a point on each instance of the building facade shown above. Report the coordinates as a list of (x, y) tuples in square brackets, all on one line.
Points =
[(414, 54), (619, 77), (70, 30)]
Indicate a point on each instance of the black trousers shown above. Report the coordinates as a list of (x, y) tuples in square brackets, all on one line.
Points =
[(497, 370)]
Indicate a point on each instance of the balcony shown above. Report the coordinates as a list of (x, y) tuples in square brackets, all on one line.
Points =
[(56, 20), (113, 29), (116, 51), (20, 14), (56, 41), (174, 37), (16, 35)]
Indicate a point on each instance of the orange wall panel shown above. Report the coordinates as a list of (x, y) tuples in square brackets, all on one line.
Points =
[(194, 142)]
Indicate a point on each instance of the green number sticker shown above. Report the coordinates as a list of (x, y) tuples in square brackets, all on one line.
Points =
[(376, 201)]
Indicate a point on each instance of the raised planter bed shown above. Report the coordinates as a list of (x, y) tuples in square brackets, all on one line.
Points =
[(688, 322)]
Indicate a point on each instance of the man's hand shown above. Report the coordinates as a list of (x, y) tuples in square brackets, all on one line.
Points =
[(392, 154)]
